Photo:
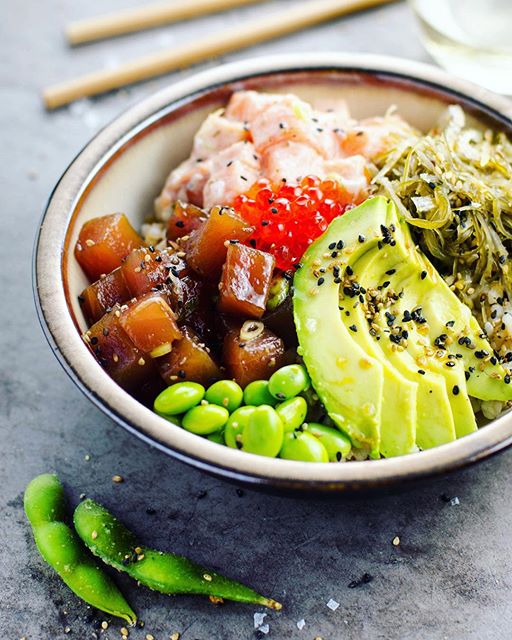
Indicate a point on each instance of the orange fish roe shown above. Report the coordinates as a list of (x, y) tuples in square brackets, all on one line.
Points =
[(288, 217)]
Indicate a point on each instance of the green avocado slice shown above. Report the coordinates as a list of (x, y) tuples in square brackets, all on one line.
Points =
[(434, 419), (447, 315), (398, 415), (351, 393)]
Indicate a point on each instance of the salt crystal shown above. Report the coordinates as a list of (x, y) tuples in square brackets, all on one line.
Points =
[(258, 619), (264, 628), (454, 501), (333, 605), (301, 624)]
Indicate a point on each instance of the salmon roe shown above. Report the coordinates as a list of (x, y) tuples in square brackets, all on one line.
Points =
[(288, 217)]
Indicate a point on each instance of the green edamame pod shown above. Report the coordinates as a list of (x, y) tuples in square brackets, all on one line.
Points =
[(292, 413), (225, 393), (217, 437), (288, 381), (303, 446), (178, 398), (256, 393), (235, 427), (338, 445), (205, 419), (167, 573), (263, 433), (61, 548)]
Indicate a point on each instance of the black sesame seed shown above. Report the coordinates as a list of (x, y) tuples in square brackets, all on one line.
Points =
[(450, 323), (320, 281), (158, 258), (180, 224), (423, 275), (455, 390), (105, 331), (353, 328), (506, 379), (332, 246), (81, 299), (450, 363), (421, 372), (361, 238), (94, 340), (467, 375), (339, 245), (252, 242), (349, 271), (264, 223), (338, 456), (273, 210), (390, 272)]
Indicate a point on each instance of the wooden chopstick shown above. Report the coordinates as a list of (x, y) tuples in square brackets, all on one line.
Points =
[(146, 17), (276, 24)]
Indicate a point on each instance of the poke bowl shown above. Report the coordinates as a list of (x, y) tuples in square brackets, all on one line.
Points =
[(293, 273)]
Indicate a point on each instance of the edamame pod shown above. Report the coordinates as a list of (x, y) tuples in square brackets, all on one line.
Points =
[(303, 446), (167, 573), (225, 393), (205, 419), (61, 548), (178, 398), (287, 382), (256, 393), (263, 433), (292, 413), (338, 445), (235, 427)]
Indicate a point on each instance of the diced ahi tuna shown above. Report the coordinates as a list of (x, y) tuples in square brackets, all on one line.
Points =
[(122, 360), (151, 324), (100, 296), (255, 359), (104, 242), (147, 269), (189, 359), (207, 246), (183, 220), (245, 282)]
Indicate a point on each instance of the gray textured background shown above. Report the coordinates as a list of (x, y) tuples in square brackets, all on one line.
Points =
[(450, 576)]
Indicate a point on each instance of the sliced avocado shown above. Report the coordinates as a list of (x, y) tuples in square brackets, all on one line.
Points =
[(486, 377), (398, 415), (388, 346), (434, 419), (351, 394)]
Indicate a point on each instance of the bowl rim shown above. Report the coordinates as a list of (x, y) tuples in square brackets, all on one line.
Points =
[(66, 343)]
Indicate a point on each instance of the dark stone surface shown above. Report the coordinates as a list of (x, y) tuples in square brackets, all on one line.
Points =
[(450, 576)]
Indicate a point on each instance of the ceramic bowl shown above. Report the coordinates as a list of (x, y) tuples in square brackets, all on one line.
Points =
[(124, 167)]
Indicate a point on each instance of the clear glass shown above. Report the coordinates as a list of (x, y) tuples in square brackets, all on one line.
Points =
[(470, 38)]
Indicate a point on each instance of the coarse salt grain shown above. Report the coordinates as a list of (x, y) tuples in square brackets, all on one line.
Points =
[(265, 628), (333, 605), (301, 624), (454, 501), (258, 619)]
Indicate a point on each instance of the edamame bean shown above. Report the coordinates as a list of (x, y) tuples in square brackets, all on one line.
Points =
[(235, 427), (338, 446), (288, 381), (173, 419), (205, 419), (292, 413), (256, 393), (303, 446), (179, 398), (263, 433), (59, 545), (225, 393), (217, 437), (167, 573)]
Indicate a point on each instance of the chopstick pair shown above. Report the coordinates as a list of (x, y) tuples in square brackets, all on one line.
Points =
[(277, 23)]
